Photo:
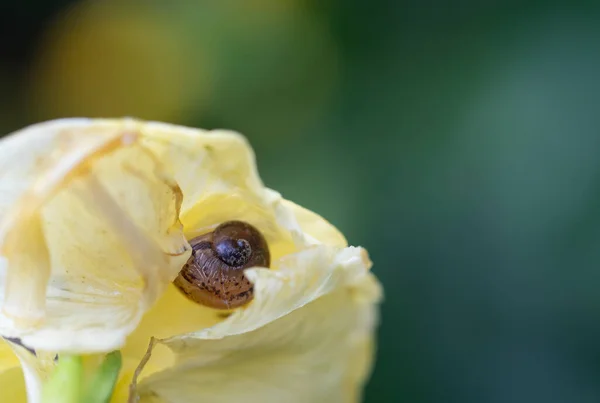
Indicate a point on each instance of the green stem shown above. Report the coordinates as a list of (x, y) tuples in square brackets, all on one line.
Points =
[(65, 384)]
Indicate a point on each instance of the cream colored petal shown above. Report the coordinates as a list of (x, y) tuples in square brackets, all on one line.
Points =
[(305, 338), (33, 161), (20, 373), (90, 236), (108, 212), (204, 162), (216, 172), (107, 195), (296, 280), (309, 261), (172, 315), (27, 266), (315, 226)]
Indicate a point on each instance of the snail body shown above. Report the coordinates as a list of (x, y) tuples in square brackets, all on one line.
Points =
[(214, 274)]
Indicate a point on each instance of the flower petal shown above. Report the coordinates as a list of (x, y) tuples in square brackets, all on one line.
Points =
[(20, 372), (315, 226), (96, 220), (305, 338), (216, 172), (93, 233)]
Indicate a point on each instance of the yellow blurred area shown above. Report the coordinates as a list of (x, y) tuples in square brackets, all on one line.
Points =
[(8, 358), (110, 58), (12, 384), (260, 65), (11, 377)]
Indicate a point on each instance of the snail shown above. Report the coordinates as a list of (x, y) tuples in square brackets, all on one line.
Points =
[(214, 274)]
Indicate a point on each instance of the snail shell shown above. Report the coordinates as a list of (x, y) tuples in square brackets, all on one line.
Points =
[(214, 274)]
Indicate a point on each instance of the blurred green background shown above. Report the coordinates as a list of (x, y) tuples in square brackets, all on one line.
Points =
[(457, 141)]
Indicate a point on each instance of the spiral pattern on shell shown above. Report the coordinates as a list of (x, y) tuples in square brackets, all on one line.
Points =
[(214, 274)]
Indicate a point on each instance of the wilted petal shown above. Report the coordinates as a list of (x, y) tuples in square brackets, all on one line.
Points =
[(307, 337), (110, 215), (89, 231)]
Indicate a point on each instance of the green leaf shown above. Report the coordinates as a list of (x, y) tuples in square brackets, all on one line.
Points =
[(102, 384)]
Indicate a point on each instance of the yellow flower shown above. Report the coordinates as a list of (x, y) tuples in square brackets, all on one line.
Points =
[(95, 222)]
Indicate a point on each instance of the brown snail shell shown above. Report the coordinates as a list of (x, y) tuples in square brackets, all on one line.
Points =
[(214, 274)]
